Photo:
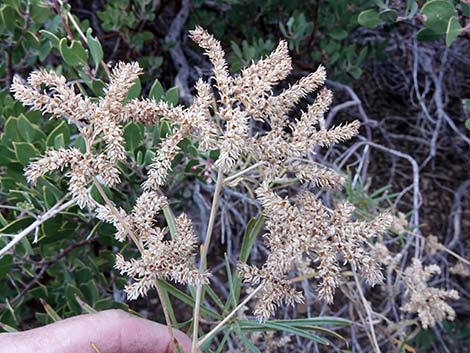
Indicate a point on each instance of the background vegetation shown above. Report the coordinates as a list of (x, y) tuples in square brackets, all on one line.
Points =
[(401, 67)]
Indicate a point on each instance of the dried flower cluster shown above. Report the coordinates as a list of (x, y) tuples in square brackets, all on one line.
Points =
[(460, 269), (94, 120), (433, 245), (160, 259), (383, 256), (310, 238), (428, 302)]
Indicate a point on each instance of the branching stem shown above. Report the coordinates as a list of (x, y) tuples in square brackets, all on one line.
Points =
[(229, 316), (56, 209)]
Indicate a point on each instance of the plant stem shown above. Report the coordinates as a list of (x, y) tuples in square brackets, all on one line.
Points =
[(229, 316), (56, 209), (174, 342), (240, 173), (375, 344), (457, 256), (203, 260)]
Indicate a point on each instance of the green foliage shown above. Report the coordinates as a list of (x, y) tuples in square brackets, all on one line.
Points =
[(441, 18), (296, 30), (369, 18)]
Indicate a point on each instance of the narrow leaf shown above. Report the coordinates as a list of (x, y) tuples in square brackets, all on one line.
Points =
[(50, 311)]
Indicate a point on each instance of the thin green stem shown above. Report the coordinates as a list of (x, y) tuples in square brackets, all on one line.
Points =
[(203, 260), (174, 342)]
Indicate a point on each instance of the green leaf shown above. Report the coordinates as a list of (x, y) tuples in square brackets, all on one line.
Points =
[(389, 15), (172, 96), (134, 135), (17, 225), (285, 327), (87, 309), (467, 124), (6, 263), (51, 37), (98, 87), (221, 345), (11, 130), (73, 54), (59, 141), (135, 90), (251, 232), (80, 144), (369, 18), (90, 290), (425, 34), (252, 348), (49, 197), (71, 292), (32, 40), (139, 157), (465, 8), (149, 156), (215, 298), (50, 311), (24, 152), (411, 8), (29, 131), (438, 13), (156, 91), (61, 129), (8, 17), (338, 34), (380, 4), (7, 328), (170, 221), (355, 72), (231, 300), (453, 30), (94, 45), (321, 320), (40, 12), (466, 103)]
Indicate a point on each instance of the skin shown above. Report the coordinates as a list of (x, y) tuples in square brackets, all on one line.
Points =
[(111, 331)]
